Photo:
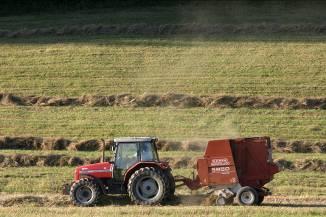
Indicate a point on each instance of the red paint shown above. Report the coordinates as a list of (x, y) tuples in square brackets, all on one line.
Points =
[(98, 170)]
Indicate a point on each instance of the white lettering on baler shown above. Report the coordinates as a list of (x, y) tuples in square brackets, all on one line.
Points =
[(220, 162), (220, 169)]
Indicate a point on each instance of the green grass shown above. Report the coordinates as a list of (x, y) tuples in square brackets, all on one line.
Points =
[(233, 12), (75, 66), (199, 211), (166, 123), (50, 180)]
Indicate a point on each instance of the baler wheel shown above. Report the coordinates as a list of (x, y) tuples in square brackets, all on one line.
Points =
[(222, 201), (247, 196), (147, 186), (84, 192)]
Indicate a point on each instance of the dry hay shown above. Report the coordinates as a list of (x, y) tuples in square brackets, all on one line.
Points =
[(165, 145), (87, 145), (167, 29), (38, 143), (302, 165), (7, 200), (51, 160), (298, 146), (169, 99), (194, 145), (28, 143)]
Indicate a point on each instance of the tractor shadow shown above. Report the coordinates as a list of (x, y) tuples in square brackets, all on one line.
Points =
[(196, 200), (294, 205), (122, 200)]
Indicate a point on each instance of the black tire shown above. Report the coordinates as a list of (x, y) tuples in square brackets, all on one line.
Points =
[(84, 192), (170, 185), (247, 196), (147, 186), (260, 199)]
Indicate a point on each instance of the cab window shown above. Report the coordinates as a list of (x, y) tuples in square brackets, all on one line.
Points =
[(126, 155), (147, 152)]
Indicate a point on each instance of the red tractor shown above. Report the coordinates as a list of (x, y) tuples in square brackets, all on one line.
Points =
[(136, 170), (231, 168)]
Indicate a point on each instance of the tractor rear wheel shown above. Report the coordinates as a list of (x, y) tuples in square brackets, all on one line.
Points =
[(247, 196), (84, 192), (170, 185), (147, 186)]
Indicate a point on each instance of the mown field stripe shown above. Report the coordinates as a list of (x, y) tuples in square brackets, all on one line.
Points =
[(165, 123), (75, 66)]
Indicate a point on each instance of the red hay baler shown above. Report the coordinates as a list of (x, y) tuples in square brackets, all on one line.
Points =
[(230, 168), (235, 168)]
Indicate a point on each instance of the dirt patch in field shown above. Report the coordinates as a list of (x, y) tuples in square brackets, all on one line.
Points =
[(167, 29), (169, 99)]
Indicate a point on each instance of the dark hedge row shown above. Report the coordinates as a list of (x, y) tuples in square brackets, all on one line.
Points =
[(18, 7), (10, 7)]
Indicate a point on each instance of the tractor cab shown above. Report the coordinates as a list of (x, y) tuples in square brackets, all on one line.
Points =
[(130, 151)]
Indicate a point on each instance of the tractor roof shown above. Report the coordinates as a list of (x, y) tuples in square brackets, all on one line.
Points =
[(134, 139)]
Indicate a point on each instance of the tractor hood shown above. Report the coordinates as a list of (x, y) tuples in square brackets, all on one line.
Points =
[(98, 170)]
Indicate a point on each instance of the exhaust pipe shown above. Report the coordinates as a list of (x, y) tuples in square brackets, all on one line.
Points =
[(103, 150)]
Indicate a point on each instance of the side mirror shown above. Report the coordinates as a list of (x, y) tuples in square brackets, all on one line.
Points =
[(112, 147)]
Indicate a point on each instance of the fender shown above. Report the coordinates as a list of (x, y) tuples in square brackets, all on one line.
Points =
[(159, 165)]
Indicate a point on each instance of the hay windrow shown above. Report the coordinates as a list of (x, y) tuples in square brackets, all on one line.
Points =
[(9, 200), (39, 143), (167, 29), (56, 160), (167, 100)]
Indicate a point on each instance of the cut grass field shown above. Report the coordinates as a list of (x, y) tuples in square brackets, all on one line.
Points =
[(199, 211), (40, 180), (289, 65), (166, 123), (104, 65)]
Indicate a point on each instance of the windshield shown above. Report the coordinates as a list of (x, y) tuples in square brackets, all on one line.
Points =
[(126, 155)]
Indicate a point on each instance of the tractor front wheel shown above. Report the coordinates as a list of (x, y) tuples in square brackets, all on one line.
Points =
[(84, 192), (147, 186)]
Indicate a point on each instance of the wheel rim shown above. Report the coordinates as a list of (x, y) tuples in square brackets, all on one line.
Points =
[(147, 188), (247, 197), (84, 194), (220, 201)]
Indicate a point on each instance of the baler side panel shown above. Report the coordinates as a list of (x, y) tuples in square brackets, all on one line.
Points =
[(217, 167)]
